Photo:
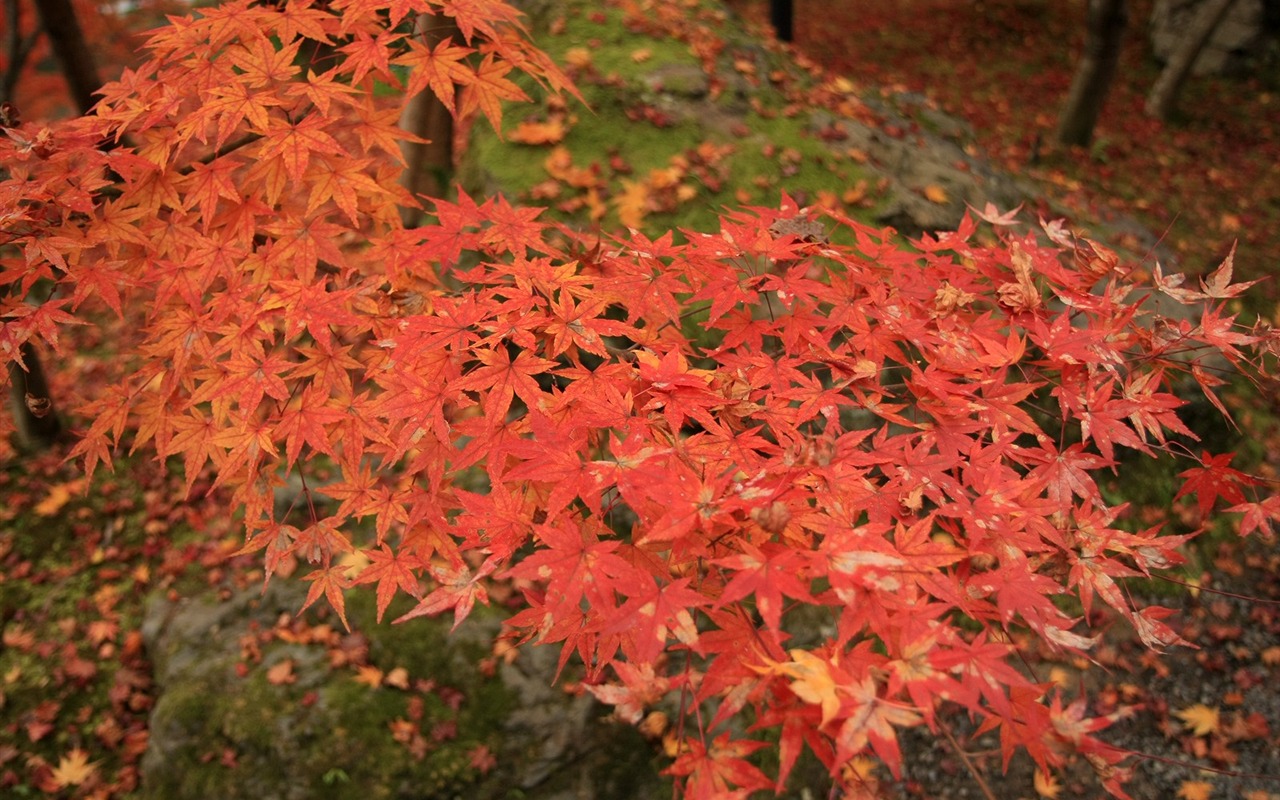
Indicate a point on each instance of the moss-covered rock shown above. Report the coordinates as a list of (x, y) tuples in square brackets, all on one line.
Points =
[(253, 704)]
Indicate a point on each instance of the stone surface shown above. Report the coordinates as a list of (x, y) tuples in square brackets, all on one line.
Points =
[(222, 728), (1239, 38), (921, 162)]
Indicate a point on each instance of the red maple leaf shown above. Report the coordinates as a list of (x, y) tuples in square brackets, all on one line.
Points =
[(391, 571), (1212, 479)]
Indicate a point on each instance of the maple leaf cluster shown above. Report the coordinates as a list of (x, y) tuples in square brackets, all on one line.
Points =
[(678, 452)]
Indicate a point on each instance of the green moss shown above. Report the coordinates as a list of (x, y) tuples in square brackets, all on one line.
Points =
[(345, 729), (611, 45), (769, 149)]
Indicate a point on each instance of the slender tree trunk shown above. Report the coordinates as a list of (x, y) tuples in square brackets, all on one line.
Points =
[(34, 414), (17, 48), (781, 14), (1164, 94), (428, 166), (1105, 29), (58, 19)]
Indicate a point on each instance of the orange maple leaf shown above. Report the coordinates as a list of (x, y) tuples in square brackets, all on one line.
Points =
[(538, 133), (489, 88), (1195, 790), (281, 673), (935, 194), (440, 68)]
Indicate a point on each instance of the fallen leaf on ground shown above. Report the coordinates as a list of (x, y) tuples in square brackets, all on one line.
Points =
[(369, 676), (1195, 790), (398, 677), (1200, 719), (74, 769), (58, 497), (538, 133), (281, 673), (632, 203), (1046, 785)]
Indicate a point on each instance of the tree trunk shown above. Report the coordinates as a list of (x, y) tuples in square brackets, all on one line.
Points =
[(1105, 29), (33, 410), (33, 413), (58, 19), (1164, 94), (17, 48), (429, 165), (780, 15)]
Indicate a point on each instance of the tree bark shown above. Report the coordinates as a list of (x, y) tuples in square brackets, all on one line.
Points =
[(781, 14), (1164, 94), (58, 19), (429, 165), (1105, 28), (33, 412), (17, 48)]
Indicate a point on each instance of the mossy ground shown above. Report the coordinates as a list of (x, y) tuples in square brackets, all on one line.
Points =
[(652, 107)]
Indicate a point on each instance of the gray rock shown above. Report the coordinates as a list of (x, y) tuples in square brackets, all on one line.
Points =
[(1238, 39), (922, 162), (681, 80)]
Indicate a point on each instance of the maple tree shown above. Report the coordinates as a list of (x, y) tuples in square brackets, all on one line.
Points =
[(676, 450)]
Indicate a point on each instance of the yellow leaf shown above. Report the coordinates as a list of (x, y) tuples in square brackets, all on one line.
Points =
[(1057, 675), (353, 562), (1200, 719), (73, 769), (935, 194), (578, 57), (843, 85), (1046, 785), (1271, 656), (813, 682), (1195, 790), (369, 675), (58, 497), (632, 203), (398, 677), (641, 55)]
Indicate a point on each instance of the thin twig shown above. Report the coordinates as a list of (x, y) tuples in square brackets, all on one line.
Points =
[(226, 149), (1255, 776), (1249, 598), (968, 764)]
